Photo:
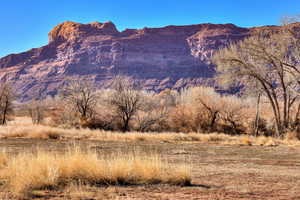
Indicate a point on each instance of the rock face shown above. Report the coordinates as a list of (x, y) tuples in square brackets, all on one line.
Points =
[(158, 58)]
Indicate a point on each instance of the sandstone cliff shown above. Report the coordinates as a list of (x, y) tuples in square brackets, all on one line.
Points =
[(158, 58)]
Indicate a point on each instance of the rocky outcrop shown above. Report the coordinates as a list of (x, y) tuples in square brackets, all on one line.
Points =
[(158, 58), (72, 31)]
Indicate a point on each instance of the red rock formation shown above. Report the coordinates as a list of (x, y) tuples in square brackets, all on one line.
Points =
[(158, 58), (71, 30)]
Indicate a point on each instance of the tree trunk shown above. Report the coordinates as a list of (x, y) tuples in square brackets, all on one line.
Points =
[(257, 115), (126, 126), (213, 121), (5, 112)]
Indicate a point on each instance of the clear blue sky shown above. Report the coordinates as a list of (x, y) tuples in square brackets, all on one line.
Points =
[(26, 23)]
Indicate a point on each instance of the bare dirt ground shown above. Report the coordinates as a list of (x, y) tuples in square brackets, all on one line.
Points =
[(218, 171)]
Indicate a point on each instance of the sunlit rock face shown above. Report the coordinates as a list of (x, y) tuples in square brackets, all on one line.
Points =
[(157, 58)]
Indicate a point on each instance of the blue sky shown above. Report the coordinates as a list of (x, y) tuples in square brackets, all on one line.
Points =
[(26, 23)]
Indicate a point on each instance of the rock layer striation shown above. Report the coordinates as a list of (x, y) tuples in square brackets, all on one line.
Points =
[(157, 58)]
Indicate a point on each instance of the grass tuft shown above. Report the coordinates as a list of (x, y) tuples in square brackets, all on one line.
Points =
[(27, 172)]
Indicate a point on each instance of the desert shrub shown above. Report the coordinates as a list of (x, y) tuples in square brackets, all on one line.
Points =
[(292, 135), (63, 115), (234, 115), (153, 120), (103, 119), (198, 110), (182, 119), (152, 114), (209, 107), (202, 109), (37, 110), (261, 126)]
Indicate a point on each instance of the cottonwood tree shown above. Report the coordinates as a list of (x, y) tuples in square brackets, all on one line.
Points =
[(261, 61), (125, 100), (82, 97), (7, 96)]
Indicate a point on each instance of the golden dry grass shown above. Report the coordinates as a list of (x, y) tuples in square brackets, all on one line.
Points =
[(26, 172), (47, 132), (31, 131)]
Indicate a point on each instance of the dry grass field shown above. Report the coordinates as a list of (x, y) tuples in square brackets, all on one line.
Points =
[(218, 171), (29, 131), (40, 162)]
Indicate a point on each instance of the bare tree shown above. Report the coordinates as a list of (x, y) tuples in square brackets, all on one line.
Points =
[(36, 110), (7, 96), (125, 99), (260, 61), (291, 39), (82, 97)]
